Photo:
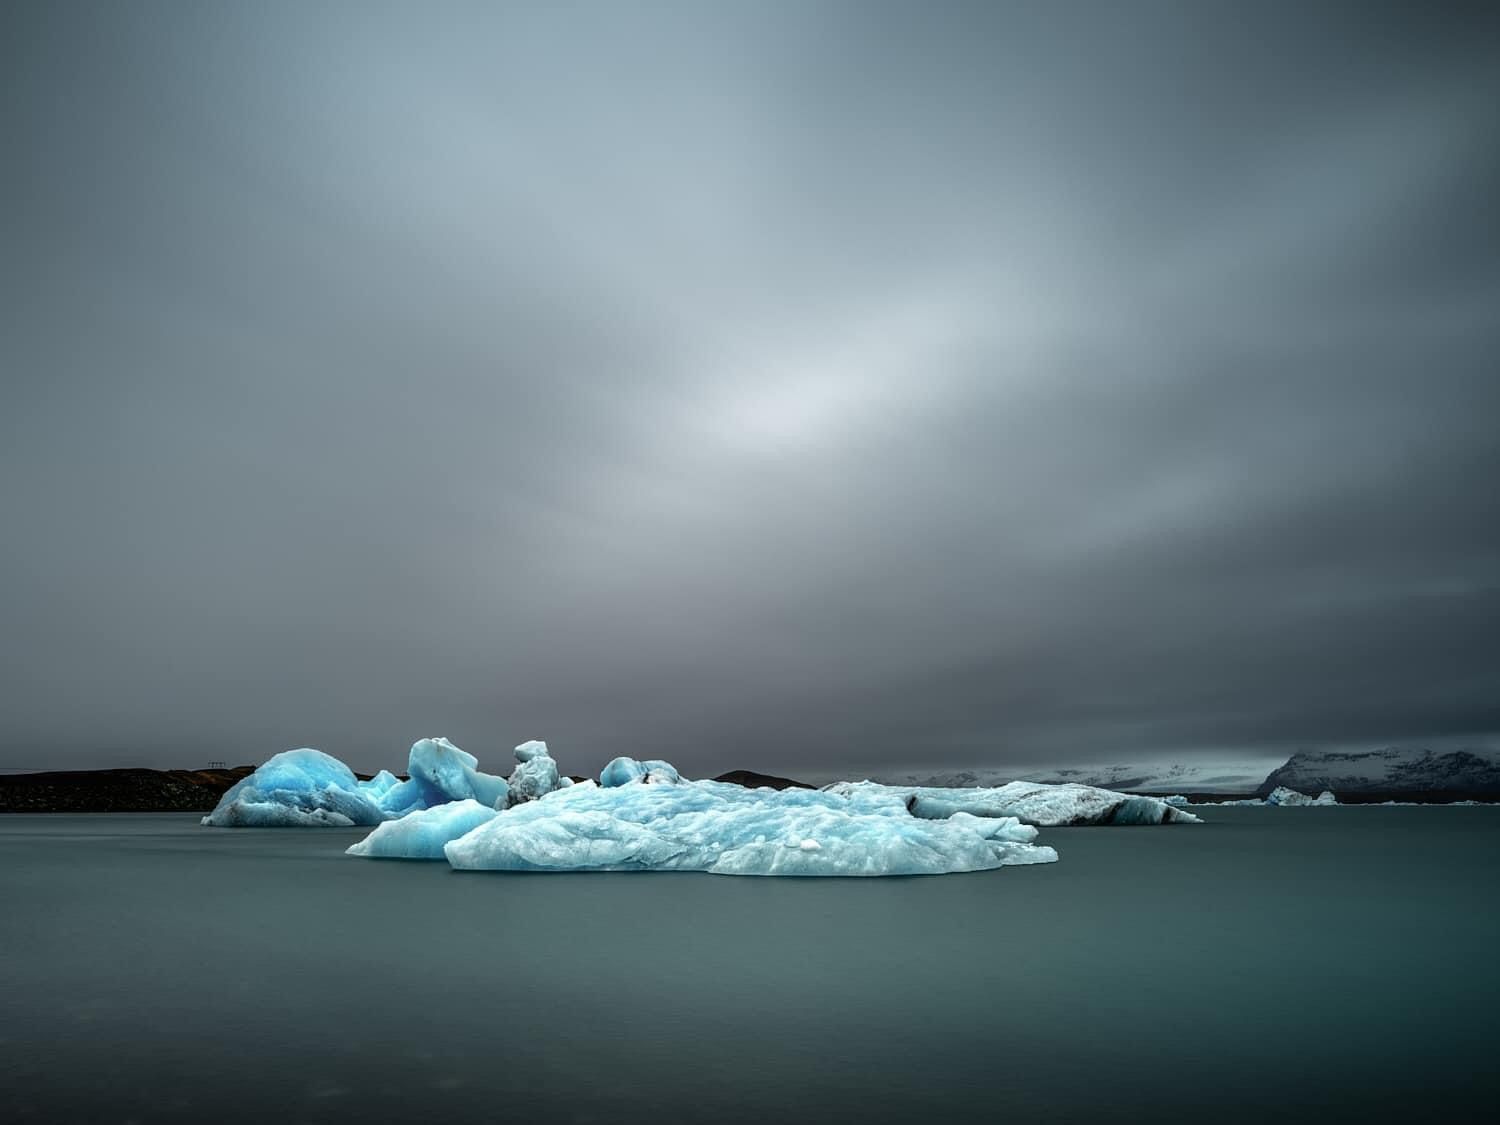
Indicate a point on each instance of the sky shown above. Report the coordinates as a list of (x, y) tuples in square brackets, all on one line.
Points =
[(807, 387)]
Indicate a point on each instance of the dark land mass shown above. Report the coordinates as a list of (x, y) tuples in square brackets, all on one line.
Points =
[(752, 780), (127, 790), (124, 790)]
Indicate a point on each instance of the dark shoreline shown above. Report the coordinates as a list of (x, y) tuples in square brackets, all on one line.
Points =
[(156, 791)]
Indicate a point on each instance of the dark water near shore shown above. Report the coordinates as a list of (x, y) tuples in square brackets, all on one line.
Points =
[(1283, 963)]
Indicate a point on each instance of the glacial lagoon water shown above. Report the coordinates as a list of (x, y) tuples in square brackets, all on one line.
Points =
[(1271, 963)]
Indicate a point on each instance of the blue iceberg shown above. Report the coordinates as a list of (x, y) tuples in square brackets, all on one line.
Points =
[(628, 771), (441, 772), (307, 788), (295, 789)]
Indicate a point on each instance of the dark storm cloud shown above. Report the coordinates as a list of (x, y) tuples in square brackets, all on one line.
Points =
[(804, 386)]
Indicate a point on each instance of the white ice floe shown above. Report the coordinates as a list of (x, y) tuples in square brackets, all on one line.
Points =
[(729, 830)]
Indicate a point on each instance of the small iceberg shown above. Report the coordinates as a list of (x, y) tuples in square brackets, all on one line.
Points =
[(1290, 798)]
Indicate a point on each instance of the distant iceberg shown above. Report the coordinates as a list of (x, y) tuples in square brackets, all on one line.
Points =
[(1281, 795), (1047, 806)]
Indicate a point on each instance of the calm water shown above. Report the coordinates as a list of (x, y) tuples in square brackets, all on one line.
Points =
[(1283, 962)]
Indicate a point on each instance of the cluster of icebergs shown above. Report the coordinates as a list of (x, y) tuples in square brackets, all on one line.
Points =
[(644, 816)]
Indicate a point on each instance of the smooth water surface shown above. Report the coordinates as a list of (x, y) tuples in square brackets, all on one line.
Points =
[(1291, 963)]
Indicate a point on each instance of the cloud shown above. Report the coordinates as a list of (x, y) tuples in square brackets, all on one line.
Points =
[(790, 386)]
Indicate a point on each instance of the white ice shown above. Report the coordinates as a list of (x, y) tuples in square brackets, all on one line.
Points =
[(1048, 806), (729, 830)]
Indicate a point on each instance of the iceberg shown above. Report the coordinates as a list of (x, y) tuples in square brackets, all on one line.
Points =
[(308, 788), (535, 774), (1047, 806), (1281, 795), (441, 772), (628, 771), (422, 834), (296, 789), (725, 829)]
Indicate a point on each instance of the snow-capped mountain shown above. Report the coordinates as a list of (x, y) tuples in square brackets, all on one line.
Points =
[(1392, 770)]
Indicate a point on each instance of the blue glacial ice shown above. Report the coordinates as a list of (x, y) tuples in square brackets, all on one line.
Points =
[(299, 788), (422, 834), (1047, 806), (726, 829), (307, 788), (440, 772)]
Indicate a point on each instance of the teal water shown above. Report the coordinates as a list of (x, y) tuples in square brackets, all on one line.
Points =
[(1283, 963)]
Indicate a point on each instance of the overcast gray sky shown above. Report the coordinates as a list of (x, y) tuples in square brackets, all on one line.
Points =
[(796, 386)]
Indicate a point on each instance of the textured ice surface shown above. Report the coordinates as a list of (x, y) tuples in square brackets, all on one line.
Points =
[(628, 771), (535, 774), (1049, 806), (1281, 795), (302, 788), (729, 830), (422, 834)]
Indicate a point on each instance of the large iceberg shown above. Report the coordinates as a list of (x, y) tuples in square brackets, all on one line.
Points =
[(725, 829), (1047, 806), (302, 788)]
